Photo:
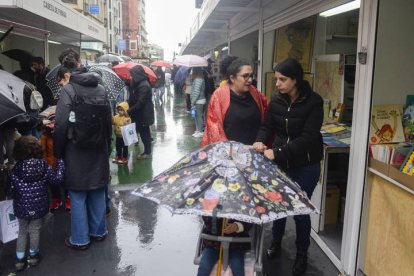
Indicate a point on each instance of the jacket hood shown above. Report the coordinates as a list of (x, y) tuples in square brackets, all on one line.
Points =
[(124, 105), (138, 74), (81, 77), (30, 170)]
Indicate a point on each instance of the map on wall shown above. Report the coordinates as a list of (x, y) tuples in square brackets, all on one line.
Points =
[(329, 78), (296, 41)]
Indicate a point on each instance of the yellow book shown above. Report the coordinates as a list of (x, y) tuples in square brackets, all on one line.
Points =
[(408, 166)]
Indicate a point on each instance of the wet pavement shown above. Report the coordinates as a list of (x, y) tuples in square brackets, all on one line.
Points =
[(145, 239)]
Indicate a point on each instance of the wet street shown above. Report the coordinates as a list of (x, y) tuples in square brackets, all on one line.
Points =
[(145, 239)]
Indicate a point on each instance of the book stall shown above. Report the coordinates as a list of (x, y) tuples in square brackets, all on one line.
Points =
[(386, 234)]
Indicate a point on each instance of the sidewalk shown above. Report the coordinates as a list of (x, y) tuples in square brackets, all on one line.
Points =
[(145, 239)]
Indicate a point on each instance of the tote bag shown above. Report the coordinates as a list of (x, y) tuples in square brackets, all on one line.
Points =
[(129, 134), (9, 227)]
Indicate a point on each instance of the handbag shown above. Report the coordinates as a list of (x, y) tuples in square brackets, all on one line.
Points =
[(9, 226), (129, 134)]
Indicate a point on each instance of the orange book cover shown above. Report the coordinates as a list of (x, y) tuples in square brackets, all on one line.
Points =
[(386, 124)]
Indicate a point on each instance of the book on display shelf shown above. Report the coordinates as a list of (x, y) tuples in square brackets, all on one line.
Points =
[(386, 124)]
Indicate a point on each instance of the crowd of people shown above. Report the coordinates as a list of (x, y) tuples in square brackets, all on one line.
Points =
[(70, 152)]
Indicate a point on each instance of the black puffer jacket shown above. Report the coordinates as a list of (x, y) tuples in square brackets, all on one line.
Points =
[(141, 108), (295, 128), (86, 168)]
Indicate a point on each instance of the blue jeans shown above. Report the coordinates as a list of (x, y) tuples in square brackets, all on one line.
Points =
[(87, 215), (199, 119), (210, 256), (307, 178)]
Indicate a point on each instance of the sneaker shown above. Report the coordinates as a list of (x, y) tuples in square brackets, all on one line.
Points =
[(300, 265), (274, 249), (96, 238), (198, 135), (123, 161), (20, 264), (144, 156), (56, 203), (74, 246), (116, 159), (67, 204), (195, 133), (34, 260)]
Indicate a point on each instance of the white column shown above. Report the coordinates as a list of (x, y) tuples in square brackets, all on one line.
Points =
[(46, 42), (359, 138), (260, 49)]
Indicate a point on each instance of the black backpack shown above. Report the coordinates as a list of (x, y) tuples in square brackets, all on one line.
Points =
[(91, 119)]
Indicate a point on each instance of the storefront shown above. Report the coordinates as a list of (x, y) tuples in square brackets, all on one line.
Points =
[(44, 28), (358, 58)]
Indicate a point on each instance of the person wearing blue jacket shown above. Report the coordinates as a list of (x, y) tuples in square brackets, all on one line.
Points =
[(28, 186)]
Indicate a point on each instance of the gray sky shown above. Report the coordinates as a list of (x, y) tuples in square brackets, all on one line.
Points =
[(168, 22)]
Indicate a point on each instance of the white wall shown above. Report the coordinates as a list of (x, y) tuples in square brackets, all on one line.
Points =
[(394, 57), (268, 48), (245, 47)]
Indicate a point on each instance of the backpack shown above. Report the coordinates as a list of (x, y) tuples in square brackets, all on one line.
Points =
[(89, 127), (36, 100)]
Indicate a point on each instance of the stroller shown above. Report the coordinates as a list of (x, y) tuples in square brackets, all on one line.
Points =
[(253, 257)]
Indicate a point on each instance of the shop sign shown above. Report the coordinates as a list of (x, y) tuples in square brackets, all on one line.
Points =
[(121, 44), (93, 9)]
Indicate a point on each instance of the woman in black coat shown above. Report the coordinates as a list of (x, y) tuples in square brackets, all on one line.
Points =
[(294, 119), (141, 108), (87, 168)]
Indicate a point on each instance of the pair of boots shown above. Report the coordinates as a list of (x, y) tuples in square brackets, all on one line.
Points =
[(301, 262), (57, 202)]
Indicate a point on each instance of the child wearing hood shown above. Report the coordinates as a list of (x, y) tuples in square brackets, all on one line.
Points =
[(119, 120), (28, 186)]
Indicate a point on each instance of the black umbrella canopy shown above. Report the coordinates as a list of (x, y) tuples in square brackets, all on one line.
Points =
[(109, 58), (19, 55)]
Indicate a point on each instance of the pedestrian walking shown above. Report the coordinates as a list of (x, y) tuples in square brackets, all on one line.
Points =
[(294, 119), (28, 186), (82, 136)]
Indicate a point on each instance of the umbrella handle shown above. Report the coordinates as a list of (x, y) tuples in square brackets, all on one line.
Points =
[(221, 249)]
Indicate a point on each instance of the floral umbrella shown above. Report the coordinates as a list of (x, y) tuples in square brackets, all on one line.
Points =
[(248, 186)]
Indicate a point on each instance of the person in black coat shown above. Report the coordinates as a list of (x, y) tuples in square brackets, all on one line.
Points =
[(41, 71), (141, 108), (294, 119), (87, 168)]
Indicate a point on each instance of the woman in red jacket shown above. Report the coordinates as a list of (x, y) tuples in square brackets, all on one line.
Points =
[(237, 108)]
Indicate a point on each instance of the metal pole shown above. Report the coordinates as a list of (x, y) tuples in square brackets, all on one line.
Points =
[(260, 49), (46, 49)]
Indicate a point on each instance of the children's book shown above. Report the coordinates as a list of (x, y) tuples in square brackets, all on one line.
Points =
[(399, 154), (386, 124), (408, 166), (408, 123)]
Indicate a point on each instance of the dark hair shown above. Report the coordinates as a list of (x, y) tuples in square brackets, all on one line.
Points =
[(291, 68), (60, 75), (224, 64), (69, 58), (38, 60), (197, 72), (234, 67), (27, 147)]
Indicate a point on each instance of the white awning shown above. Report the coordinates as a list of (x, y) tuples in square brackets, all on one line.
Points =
[(221, 21), (64, 24)]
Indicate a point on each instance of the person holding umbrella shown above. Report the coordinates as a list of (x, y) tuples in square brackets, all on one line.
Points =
[(294, 119), (234, 113)]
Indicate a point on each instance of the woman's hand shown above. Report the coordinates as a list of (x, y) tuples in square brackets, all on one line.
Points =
[(269, 154), (231, 228), (259, 147)]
